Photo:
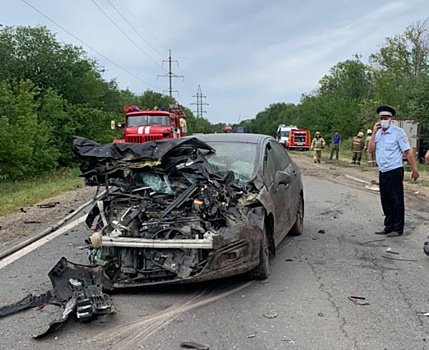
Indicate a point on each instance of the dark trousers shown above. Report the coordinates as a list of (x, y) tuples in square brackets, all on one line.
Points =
[(356, 157), (392, 199), (335, 149)]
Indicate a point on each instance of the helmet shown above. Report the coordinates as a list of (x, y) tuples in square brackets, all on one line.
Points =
[(369, 132), (360, 134), (317, 133)]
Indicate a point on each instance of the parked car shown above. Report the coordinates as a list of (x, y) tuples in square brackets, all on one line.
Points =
[(190, 209)]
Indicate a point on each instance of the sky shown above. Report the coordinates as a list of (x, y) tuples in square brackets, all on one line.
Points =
[(243, 54)]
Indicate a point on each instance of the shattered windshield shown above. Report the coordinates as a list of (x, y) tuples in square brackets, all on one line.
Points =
[(147, 120), (236, 156)]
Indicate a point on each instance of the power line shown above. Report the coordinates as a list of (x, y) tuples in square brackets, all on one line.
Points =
[(88, 46), (128, 37), (140, 24), (135, 30), (184, 81)]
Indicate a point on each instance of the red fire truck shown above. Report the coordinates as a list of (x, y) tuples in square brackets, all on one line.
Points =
[(151, 125), (299, 139)]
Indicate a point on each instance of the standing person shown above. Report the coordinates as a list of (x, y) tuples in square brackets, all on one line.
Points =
[(357, 146), (370, 156), (317, 145), (336, 141), (389, 143)]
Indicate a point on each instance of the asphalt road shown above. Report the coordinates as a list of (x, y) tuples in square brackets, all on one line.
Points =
[(305, 304)]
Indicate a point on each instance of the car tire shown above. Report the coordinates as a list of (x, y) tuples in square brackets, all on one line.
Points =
[(263, 270), (298, 226)]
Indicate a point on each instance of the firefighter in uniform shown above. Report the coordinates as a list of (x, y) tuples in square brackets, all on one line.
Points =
[(370, 156), (317, 145), (357, 146)]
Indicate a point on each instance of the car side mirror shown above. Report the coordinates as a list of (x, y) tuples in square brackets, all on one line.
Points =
[(282, 178)]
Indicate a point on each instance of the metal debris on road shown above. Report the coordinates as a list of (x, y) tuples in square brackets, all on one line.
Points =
[(271, 314), (75, 288), (426, 248), (358, 300), (194, 345), (389, 250)]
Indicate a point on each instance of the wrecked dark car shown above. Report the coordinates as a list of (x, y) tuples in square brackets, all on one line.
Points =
[(189, 209)]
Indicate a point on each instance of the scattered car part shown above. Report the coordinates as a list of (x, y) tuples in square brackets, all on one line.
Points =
[(193, 345), (426, 248), (75, 288)]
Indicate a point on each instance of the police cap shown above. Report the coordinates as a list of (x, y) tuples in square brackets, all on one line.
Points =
[(386, 110)]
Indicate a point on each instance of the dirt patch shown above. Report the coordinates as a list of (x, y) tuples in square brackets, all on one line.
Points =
[(30, 220)]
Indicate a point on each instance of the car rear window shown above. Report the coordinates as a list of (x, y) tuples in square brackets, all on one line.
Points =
[(236, 156)]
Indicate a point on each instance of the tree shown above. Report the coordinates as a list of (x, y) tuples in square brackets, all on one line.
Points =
[(401, 67), (351, 79), (36, 55), (26, 143), (150, 99)]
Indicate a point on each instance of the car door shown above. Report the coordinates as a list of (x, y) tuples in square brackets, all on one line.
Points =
[(278, 176)]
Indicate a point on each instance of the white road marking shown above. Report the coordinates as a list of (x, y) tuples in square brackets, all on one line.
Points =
[(20, 253), (356, 179)]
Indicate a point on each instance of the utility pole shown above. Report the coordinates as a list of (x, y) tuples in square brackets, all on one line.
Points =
[(199, 102), (170, 75)]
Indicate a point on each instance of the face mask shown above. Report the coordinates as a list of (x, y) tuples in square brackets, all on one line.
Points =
[(384, 124)]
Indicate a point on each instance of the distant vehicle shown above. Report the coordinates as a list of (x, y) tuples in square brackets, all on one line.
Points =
[(283, 133), (191, 209), (299, 139), (412, 129), (241, 129), (227, 129), (151, 125)]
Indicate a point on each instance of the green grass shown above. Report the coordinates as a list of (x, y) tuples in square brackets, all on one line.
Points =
[(17, 194)]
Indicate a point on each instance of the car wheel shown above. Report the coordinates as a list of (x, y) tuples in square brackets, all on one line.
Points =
[(262, 271), (298, 227)]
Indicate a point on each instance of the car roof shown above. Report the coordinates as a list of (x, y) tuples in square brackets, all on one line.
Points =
[(234, 137)]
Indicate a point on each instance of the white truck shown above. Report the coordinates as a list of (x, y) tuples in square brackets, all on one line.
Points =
[(411, 128), (283, 133)]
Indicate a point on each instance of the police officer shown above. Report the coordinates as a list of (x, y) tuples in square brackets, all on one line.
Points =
[(389, 143), (357, 147), (317, 145)]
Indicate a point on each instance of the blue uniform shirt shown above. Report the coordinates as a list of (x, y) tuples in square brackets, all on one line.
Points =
[(389, 147), (336, 139)]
